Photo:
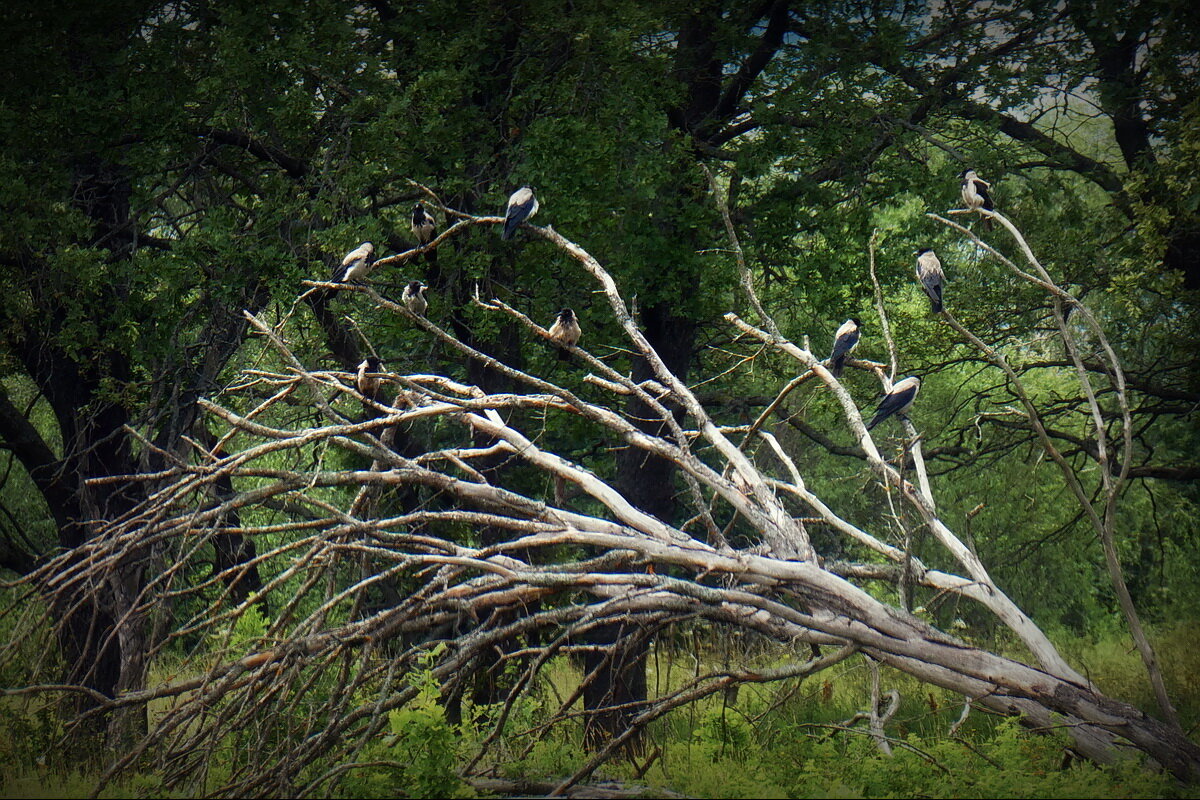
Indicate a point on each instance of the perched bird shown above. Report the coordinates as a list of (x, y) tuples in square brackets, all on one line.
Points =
[(897, 401), (844, 343), (424, 227), (975, 194), (565, 330), (521, 206), (414, 298), (929, 273), (356, 264), (367, 384)]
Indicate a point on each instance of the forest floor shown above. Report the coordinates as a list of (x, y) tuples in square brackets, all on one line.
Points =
[(786, 739)]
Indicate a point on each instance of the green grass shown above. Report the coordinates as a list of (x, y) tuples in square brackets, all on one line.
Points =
[(784, 739)]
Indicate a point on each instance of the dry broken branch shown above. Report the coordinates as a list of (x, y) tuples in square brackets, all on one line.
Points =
[(378, 588)]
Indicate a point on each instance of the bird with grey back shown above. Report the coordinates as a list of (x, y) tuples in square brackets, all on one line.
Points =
[(424, 228), (565, 331), (975, 195), (521, 206), (844, 342), (897, 401), (929, 273), (414, 298), (356, 264)]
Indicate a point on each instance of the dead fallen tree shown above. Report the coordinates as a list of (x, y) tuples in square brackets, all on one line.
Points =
[(364, 590)]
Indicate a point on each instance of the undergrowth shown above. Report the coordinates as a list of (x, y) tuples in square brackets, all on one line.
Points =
[(785, 739)]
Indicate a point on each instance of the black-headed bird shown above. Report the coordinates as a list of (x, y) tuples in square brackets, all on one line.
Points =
[(929, 273), (521, 206), (356, 264), (366, 383), (424, 227), (844, 342), (565, 331), (414, 298), (975, 194), (897, 401)]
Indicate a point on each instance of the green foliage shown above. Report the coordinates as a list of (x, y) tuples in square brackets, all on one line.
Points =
[(426, 745), (789, 740), (30, 737), (248, 628), (251, 145), (1109, 658), (419, 755), (1006, 764), (771, 740)]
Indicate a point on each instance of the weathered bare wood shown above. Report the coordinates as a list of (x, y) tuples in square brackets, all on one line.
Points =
[(329, 549)]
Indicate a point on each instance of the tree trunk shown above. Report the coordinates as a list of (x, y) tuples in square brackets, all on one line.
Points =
[(615, 695)]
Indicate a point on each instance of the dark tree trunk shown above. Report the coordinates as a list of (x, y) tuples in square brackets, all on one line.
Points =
[(98, 440), (1183, 250), (91, 655), (232, 550), (491, 685), (101, 637), (615, 694), (1121, 94)]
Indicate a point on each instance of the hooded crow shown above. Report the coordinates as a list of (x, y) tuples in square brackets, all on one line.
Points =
[(844, 343), (975, 194), (356, 264), (367, 384), (929, 273), (521, 206), (414, 298), (565, 331), (897, 401), (424, 227)]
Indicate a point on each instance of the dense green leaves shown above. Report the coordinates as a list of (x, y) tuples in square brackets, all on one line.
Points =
[(246, 147), (166, 165)]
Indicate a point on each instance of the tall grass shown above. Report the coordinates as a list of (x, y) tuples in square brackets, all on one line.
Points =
[(784, 739)]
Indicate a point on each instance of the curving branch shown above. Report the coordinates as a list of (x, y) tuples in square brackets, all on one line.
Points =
[(1104, 520), (375, 607)]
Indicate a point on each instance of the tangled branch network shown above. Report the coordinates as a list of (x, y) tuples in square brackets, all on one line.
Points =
[(387, 548)]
